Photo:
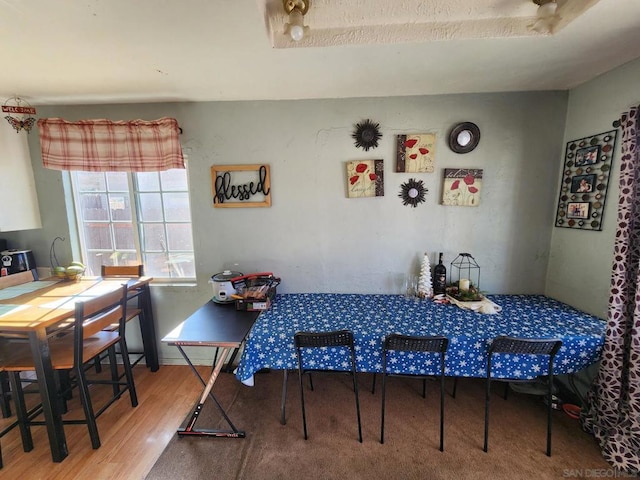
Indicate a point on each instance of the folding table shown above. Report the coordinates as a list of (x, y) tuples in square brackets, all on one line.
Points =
[(212, 325)]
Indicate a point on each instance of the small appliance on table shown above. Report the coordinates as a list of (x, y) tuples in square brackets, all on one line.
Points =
[(223, 287), (16, 261)]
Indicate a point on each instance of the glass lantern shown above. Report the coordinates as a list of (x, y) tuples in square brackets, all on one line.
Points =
[(464, 272)]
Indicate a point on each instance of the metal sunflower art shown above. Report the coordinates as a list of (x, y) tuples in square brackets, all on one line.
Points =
[(412, 192), (366, 135)]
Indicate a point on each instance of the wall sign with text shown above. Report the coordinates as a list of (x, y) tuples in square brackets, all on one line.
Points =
[(238, 186)]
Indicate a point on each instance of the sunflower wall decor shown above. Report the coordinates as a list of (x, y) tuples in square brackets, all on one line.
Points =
[(366, 135), (412, 192)]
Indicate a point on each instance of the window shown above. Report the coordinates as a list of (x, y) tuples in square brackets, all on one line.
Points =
[(126, 218)]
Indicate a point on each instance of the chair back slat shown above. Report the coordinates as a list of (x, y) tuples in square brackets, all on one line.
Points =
[(98, 313), (409, 343), (101, 321), (527, 346), (122, 270), (338, 338)]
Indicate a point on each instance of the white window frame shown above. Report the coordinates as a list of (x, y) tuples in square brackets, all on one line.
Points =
[(135, 205)]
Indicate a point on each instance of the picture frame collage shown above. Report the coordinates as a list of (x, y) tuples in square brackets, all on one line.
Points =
[(585, 181), (415, 153)]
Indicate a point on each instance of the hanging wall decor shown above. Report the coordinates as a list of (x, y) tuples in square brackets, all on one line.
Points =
[(365, 178), (412, 192), (416, 153), (585, 181), (462, 187), (366, 135), (20, 114), (241, 186), (464, 137)]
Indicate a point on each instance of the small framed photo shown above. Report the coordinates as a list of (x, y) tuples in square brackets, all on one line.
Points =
[(578, 210), (587, 155), (583, 183)]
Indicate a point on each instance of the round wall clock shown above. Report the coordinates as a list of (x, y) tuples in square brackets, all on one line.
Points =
[(412, 192), (367, 135), (464, 137)]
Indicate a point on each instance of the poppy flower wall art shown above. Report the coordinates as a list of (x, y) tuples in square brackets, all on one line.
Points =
[(365, 178), (416, 153), (462, 187)]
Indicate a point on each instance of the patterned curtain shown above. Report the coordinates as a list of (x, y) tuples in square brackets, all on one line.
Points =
[(108, 146), (613, 407)]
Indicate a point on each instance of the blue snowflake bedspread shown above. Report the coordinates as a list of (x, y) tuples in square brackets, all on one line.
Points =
[(372, 317)]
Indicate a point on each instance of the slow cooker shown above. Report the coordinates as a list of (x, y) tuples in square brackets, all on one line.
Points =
[(16, 261), (222, 286)]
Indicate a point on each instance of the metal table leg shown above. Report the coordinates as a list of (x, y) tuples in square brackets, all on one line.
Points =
[(148, 330), (190, 430)]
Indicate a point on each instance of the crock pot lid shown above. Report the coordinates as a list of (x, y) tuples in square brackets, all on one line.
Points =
[(225, 276)]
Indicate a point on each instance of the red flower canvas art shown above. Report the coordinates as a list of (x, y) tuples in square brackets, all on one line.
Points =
[(416, 153), (365, 178), (462, 187)]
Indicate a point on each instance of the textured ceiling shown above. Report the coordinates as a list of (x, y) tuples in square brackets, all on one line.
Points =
[(115, 51), (343, 22)]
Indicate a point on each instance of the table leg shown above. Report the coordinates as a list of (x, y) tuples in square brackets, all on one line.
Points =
[(190, 430), (48, 393), (148, 330), (283, 419)]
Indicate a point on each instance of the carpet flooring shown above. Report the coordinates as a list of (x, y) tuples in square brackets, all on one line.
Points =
[(270, 450)]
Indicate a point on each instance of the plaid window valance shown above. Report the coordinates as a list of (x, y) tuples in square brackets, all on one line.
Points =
[(108, 146)]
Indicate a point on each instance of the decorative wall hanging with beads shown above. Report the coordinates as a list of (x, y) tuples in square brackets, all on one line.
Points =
[(585, 181)]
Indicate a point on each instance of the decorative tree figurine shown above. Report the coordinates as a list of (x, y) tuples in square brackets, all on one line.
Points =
[(425, 288)]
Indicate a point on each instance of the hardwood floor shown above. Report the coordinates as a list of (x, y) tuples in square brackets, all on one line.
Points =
[(132, 438)]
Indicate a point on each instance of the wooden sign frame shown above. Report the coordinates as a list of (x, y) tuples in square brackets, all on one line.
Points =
[(222, 186)]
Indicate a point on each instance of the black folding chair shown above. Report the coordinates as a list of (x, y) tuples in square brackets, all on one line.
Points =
[(407, 343), (339, 338), (541, 348)]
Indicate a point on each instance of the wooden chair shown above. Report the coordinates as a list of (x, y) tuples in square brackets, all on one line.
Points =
[(341, 338), (72, 352), (27, 440), (543, 350), (5, 392), (407, 343), (133, 297)]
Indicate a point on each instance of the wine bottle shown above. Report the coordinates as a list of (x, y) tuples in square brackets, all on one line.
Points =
[(439, 277)]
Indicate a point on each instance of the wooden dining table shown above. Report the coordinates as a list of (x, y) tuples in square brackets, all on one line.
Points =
[(35, 308)]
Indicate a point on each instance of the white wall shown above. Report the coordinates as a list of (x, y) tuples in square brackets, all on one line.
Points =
[(314, 237), (580, 263)]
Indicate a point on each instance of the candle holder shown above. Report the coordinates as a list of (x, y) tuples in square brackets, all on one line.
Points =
[(464, 267)]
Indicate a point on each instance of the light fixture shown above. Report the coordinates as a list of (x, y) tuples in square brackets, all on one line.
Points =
[(296, 9), (546, 16)]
